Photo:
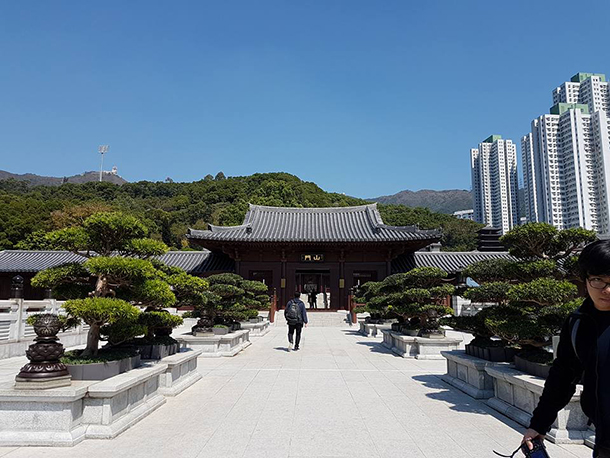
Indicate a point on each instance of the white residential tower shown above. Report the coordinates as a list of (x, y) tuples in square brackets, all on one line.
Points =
[(566, 157), (494, 183)]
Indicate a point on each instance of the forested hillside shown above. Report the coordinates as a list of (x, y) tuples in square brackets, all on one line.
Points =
[(169, 209)]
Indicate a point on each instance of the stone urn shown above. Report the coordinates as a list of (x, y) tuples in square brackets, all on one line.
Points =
[(44, 370)]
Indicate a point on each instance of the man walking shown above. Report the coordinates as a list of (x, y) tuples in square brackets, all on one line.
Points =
[(583, 356), (296, 317)]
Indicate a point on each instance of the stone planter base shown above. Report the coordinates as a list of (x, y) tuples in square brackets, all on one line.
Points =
[(529, 367), (115, 404), (590, 437), (157, 351), (215, 346), (418, 347), (181, 372), (516, 394), (257, 329), (45, 418), (63, 417), (467, 373), (102, 371), (374, 330), (86, 409), (495, 354)]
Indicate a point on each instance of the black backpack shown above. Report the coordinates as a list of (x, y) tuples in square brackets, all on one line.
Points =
[(292, 312)]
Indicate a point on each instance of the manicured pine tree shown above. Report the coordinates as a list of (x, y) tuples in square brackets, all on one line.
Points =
[(119, 270), (417, 297), (530, 296)]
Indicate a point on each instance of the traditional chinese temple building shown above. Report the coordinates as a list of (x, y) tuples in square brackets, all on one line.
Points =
[(320, 251), (314, 250)]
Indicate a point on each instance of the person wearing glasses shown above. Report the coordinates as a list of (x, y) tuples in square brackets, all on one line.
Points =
[(583, 356)]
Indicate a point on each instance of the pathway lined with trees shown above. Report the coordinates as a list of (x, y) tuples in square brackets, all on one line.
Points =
[(341, 395)]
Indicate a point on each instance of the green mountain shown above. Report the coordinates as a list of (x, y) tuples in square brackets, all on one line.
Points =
[(169, 209), (39, 180), (438, 201)]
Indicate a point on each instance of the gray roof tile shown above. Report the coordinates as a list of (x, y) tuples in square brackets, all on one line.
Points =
[(314, 225), (35, 261), (195, 262), (449, 261)]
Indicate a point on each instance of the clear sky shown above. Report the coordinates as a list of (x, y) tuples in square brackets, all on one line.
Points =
[(362, 97)]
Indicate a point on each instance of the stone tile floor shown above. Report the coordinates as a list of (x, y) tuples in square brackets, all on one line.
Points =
[(341, 395)]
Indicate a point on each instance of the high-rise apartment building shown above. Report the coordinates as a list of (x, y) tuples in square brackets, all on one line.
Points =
[(566, 157), (494, 183)]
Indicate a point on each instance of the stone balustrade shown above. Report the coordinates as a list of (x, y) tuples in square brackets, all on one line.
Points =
[(16, 335)]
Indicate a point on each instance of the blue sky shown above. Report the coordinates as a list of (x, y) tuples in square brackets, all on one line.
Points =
[(362, 97)]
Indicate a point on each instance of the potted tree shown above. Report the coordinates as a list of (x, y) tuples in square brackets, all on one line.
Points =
[(119, 271), (230, 299), (529, 297), (418, 297), (101, 315)]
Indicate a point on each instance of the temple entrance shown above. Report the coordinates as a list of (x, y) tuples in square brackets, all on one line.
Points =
[(314, 286)]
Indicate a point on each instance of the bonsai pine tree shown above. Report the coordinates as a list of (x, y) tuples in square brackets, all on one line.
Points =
[(231, 298), (417, 297), (119, 271), (363, 297), (531, 295)]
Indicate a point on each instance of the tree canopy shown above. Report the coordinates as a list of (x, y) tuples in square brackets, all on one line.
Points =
[(417, 296), (168, 209), (529, 297), (118, 273)]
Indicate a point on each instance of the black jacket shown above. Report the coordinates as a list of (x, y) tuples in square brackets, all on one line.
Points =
[(569, 369)]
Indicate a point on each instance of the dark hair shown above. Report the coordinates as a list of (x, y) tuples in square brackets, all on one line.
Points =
[(595, 259), (297, 295)]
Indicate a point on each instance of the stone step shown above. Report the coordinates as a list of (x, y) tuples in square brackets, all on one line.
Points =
[(319, 319)]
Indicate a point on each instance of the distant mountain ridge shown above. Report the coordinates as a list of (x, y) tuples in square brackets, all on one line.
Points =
[(39, 180), (447, 201)]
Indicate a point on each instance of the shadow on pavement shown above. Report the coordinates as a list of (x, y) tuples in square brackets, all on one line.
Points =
[(286, 349), (460, 401), (377, 347)]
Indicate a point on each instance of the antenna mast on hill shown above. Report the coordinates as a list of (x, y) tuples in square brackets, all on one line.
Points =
[(103, 149)]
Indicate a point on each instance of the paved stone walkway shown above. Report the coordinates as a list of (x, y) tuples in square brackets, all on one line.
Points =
[(341, 395)]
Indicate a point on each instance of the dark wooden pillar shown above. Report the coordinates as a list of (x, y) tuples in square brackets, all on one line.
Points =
[(342, 280), (237, 262), (388, 264), (273, 307), (283, 299)]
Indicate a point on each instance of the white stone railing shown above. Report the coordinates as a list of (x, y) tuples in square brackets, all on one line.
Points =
[(465, 307), (16, 334)]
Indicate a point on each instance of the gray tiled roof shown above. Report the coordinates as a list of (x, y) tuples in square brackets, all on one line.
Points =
[(195, 262), (35, 261), (449, 261), (198, 262), (314, 225)]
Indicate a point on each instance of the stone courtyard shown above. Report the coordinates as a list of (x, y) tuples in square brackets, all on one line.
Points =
[(341, 395)]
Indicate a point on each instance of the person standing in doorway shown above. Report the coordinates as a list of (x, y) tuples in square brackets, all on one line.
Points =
[(313, 300), (296, 317)]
